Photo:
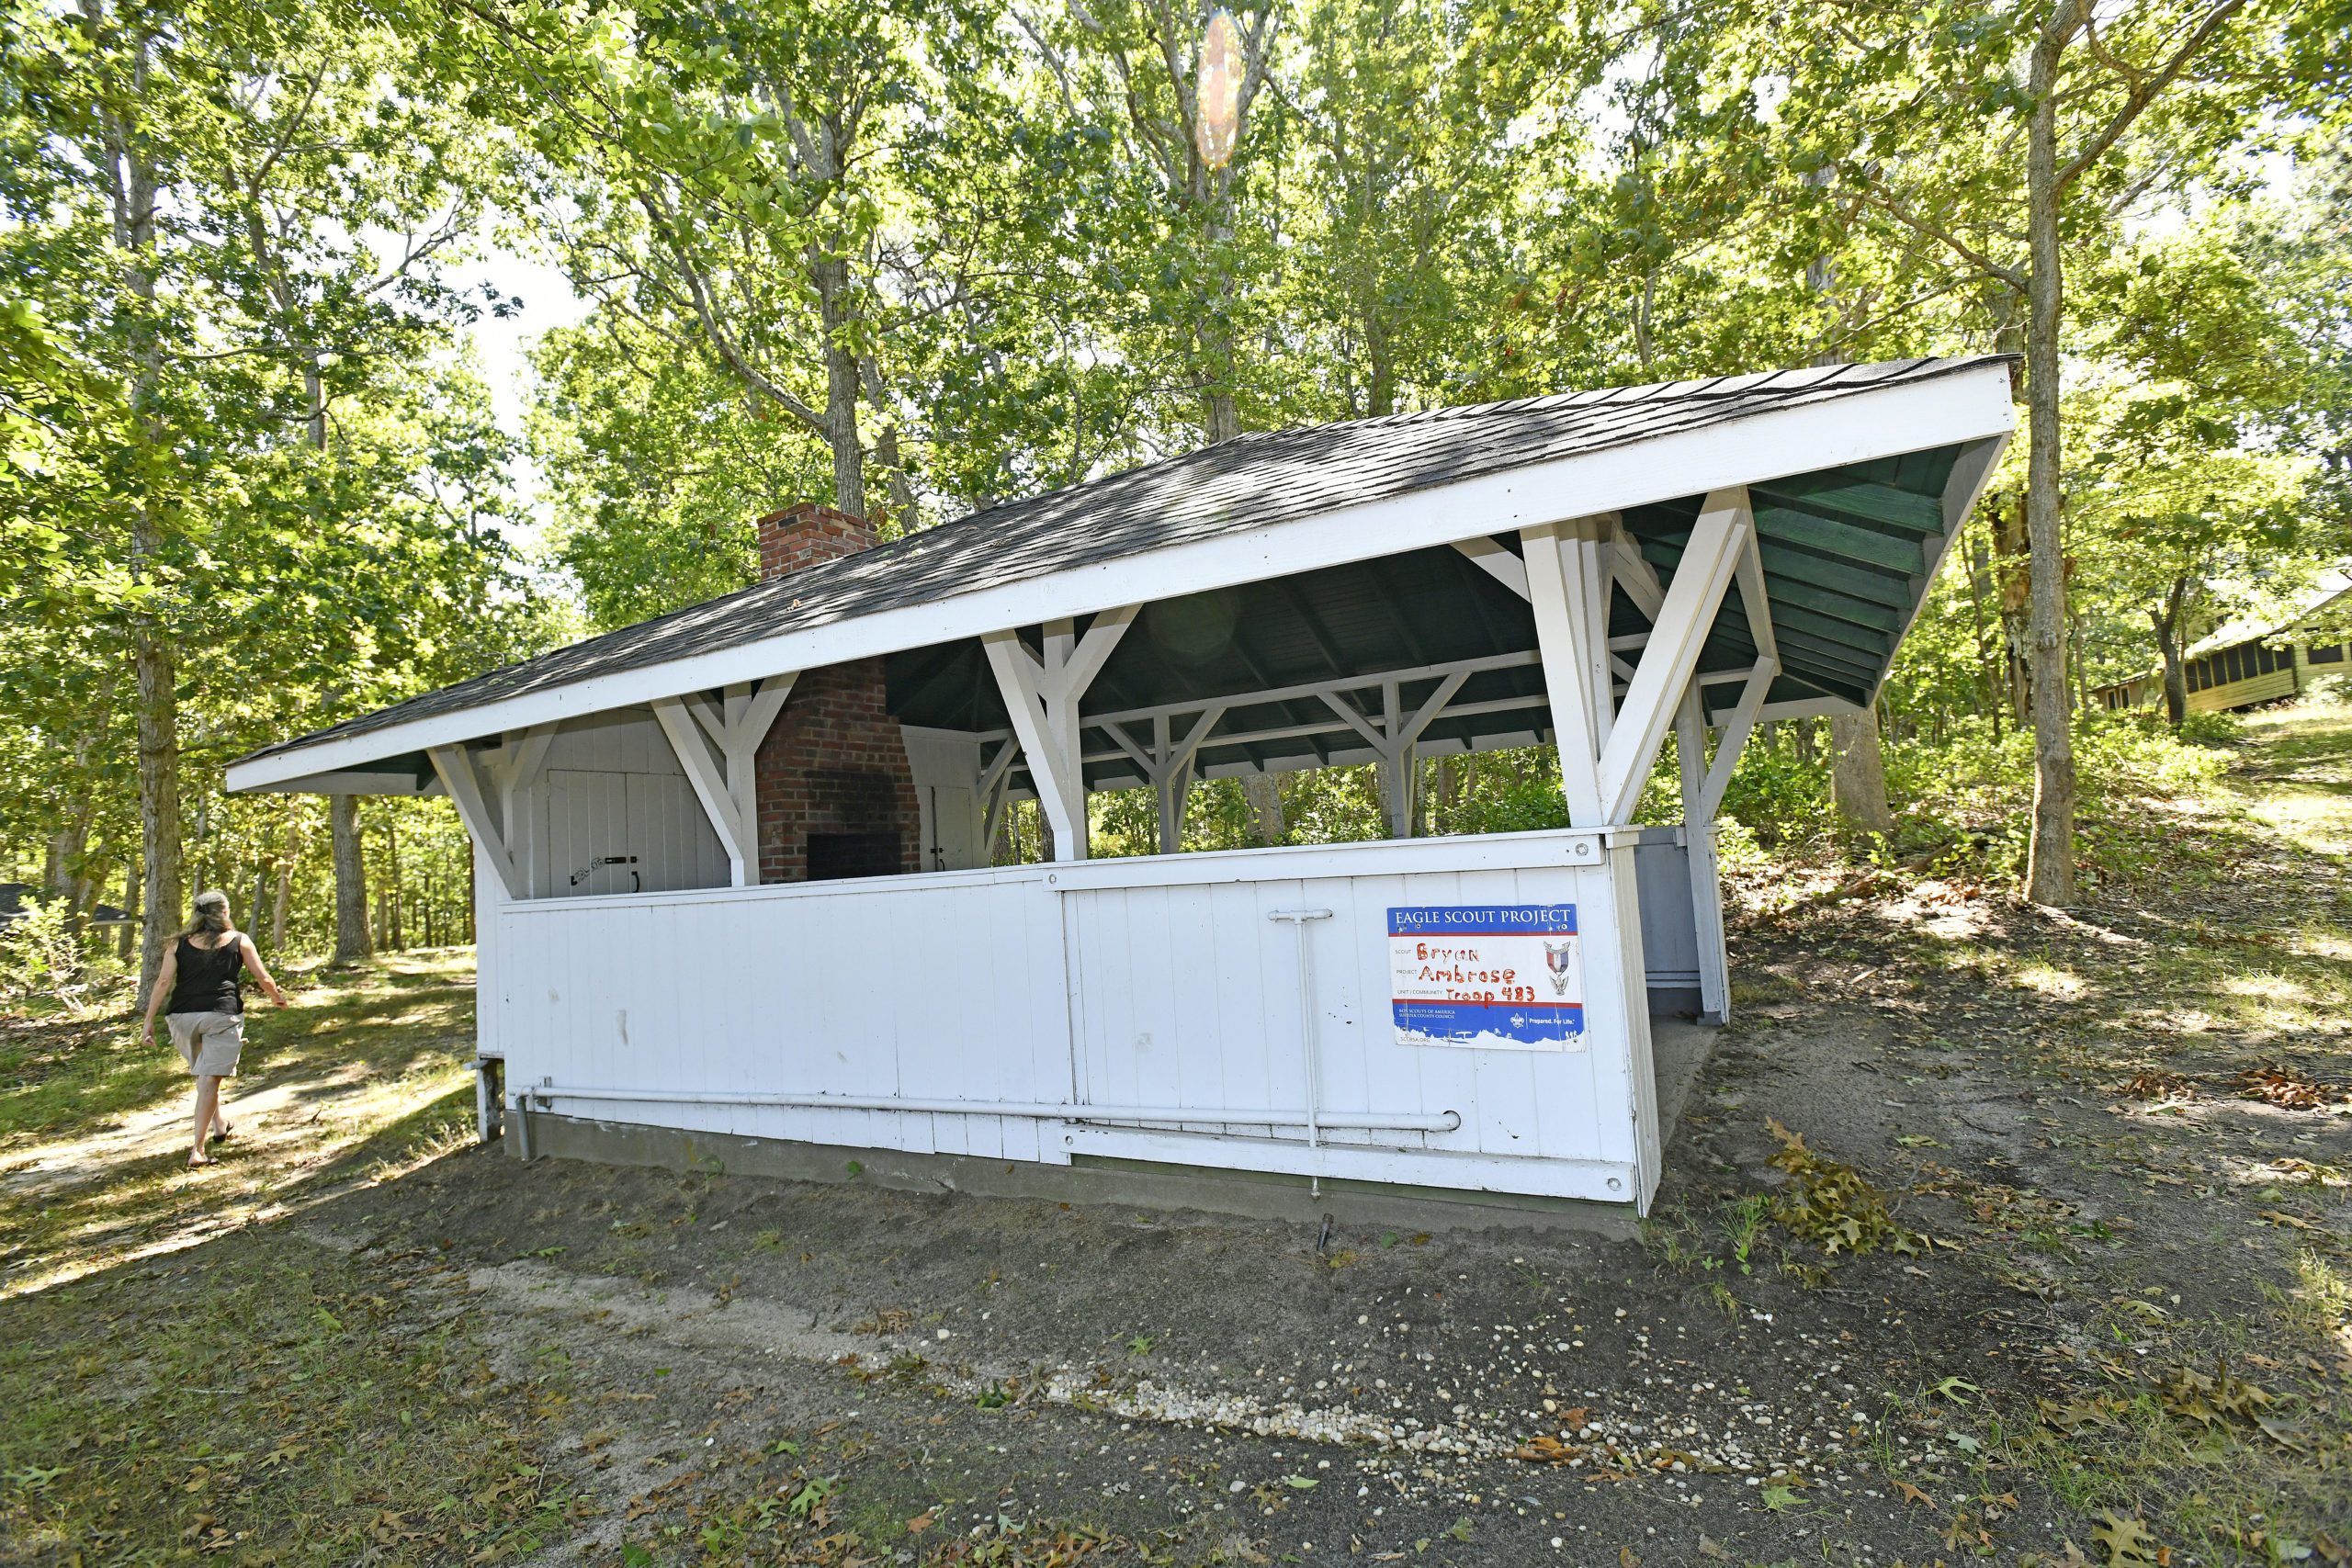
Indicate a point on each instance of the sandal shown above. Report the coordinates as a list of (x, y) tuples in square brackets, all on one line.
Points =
[(198, 1162), (223, 1132)]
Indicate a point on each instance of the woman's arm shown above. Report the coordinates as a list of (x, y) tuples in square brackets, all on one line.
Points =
[(165, 977), (252, 963)]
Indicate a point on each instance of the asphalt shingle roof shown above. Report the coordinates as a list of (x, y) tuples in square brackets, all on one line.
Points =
[(1253, 482)]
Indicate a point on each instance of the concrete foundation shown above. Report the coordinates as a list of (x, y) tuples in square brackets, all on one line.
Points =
[(1679, 1050)]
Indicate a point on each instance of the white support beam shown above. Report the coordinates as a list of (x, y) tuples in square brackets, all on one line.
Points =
[(1296, 731), (1171, 771), (1172, 785), (705, 769), (1043, 696), (1708, 563), (1335, 698), (1497, 562), (717, 745), (456, 766), (1017, 672), (1735, 737), (1690, 748), (998, 792), (1140, 756), (511, 774), (1189, 746), (1699, 854), (1398, 755), (1633, 571), (1094, 650), (1755, 602)]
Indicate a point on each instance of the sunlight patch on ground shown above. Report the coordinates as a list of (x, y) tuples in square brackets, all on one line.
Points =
[(326, 1085), (2266, 988), (277, 1144), (2317, 820), (2050, 980)]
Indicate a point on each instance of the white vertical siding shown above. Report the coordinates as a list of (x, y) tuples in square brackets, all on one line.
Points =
[(613, 789), (812, 988), (1156, 983)]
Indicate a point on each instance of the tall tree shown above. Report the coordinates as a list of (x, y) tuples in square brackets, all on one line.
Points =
[(1128, 70), (1925, 119), (1422, 135), (722, 180), (191, 192)]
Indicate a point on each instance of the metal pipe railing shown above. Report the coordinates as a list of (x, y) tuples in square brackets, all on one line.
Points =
[(1041, 1111)]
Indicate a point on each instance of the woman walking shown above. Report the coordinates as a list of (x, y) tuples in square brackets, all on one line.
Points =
[(207, 1014)]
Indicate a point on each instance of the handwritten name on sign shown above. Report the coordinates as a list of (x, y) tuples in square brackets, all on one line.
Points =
[(1507, 977)]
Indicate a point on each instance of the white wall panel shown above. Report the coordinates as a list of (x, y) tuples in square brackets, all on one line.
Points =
[(1033, 984), (799, 988), (1189, 995)]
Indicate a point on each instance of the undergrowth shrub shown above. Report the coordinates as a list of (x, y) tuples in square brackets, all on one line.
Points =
[(2210, 729), (42, 957)]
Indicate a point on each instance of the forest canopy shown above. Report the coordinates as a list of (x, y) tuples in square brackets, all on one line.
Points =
[(912, 259)]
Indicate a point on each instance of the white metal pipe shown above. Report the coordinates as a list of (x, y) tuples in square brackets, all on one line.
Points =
[(1362, 1121), (1316, 1119)]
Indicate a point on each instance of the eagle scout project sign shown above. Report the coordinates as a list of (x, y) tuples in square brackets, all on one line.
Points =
[(1498, 976)]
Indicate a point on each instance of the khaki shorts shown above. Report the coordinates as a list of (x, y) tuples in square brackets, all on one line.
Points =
[(209, 1041)]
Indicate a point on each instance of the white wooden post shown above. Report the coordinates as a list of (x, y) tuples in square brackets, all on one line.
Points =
[(1566, 578), (1699, 859), (1173, 779), (1672, 655), (717, 744), (1042, 695), (1392, 738)]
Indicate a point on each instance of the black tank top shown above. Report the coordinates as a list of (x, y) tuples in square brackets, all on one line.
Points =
[(207, 981)]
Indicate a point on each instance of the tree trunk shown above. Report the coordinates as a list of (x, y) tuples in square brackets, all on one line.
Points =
[(159, 802), (829, 273), (2050, 865), (350, 880), (1857, 772), (285, 884), (1980, 583), (1805, 752), (1220, 419), (1381, 392), (2167, 624), (1264, 794), (395, 938), (122, 941), (130, 176)]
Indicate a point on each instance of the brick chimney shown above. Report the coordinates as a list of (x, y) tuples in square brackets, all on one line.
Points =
[(806, 535), (836, 794)]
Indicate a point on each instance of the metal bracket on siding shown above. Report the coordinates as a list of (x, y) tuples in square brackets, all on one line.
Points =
[(1297, 920)]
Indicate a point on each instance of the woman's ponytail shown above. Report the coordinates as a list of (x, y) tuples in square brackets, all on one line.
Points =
[(211, 915)]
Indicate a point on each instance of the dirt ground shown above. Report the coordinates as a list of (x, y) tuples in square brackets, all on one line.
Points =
[(1990, 1233)]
